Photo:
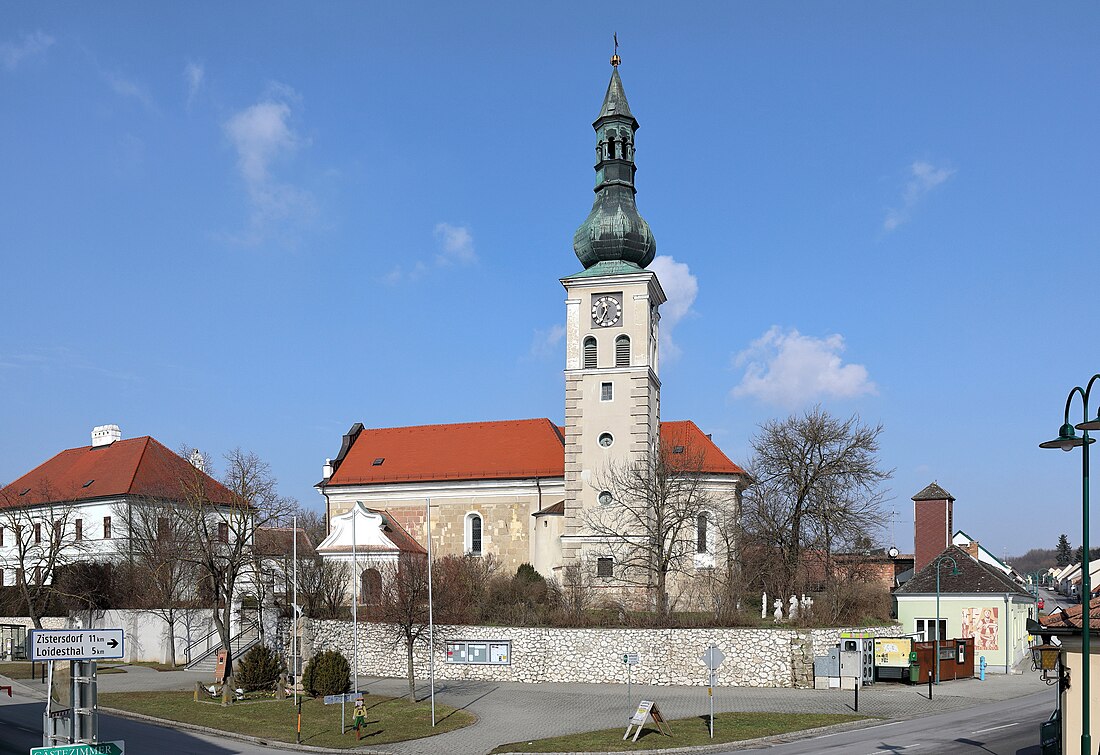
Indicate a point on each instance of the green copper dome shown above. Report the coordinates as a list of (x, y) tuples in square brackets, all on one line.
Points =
[(614, 231)]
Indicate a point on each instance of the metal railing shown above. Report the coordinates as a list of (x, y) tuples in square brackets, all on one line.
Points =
[(210, 643)]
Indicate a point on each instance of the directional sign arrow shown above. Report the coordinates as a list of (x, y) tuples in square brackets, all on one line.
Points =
[(76, 644)]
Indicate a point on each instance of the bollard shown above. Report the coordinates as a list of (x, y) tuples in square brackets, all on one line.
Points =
[(929, 684), (981, 669), (857, 696), (198, 689), (298, 737)]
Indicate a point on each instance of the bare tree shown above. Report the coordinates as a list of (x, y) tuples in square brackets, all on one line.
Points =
[(403, 605), (651, 524), (43, 538), (817, 485), (162, 565), (221, 533), (323, 586)]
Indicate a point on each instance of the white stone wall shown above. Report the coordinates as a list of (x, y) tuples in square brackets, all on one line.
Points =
[(754, 657)]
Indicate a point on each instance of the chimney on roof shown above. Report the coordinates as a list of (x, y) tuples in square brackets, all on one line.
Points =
[(105, 435), (972, 549), (326, 471), (933, 523)]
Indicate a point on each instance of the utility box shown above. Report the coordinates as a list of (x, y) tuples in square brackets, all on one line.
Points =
[(864, 644), (851, 669)]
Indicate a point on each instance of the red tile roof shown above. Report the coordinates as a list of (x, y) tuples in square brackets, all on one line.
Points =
[(135, 466), (1070, 618), (511, 449), (279, 541)]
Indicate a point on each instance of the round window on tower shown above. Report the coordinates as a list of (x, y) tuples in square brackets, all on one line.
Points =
[(606, 439), (605, 498)]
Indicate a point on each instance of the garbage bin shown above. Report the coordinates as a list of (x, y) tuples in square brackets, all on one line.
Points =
[(914, 668), (1050, 735)]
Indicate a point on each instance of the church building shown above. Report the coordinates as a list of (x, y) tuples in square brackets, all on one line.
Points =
[(534, 491)]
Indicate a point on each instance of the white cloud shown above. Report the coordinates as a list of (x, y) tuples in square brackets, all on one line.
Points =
[(924, 177), (546, 343), (456, 244), (125, 87), (262, 135), (681, 288), (13, 53), (193, 75), (790, 369)]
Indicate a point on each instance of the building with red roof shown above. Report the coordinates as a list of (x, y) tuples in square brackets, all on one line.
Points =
[(82, 498), (532, 491)]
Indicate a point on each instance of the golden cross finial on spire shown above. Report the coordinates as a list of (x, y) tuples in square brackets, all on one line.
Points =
[(615, 59)]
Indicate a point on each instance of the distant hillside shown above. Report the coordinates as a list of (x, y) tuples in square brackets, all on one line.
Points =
[(1036, 559)]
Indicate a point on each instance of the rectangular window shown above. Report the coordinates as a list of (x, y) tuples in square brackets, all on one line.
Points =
[(106, 528), (603, 567), (37, 533), (606, 392), (58, 530), (481, 652), (926, 628), (1, 577), (162, 528), (223, 532), (1, 537), (79, 530)]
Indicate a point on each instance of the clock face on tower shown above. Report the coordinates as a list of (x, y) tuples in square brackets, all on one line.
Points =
[(607, 310)]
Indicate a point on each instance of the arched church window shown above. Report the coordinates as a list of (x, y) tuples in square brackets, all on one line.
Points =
[(590, 353), (701, 533), (370, 588), (473, 534), (622, 351)]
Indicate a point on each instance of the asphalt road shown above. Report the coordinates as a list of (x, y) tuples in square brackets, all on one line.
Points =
[(21, 729), (1010, 727)]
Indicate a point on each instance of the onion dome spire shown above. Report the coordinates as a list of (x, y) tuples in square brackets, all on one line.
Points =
[(613, 230)]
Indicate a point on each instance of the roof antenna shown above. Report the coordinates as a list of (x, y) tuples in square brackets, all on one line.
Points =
[(615, 59)]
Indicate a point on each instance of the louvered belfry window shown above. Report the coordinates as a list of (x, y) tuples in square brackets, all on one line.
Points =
[(590, 353), (622, 351)]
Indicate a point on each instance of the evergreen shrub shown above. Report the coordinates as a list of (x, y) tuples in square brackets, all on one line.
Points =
[(260, 669), (327, 673)]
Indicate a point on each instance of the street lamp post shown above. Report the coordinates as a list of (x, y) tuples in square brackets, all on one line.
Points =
[(1068, 440), (954, 571)]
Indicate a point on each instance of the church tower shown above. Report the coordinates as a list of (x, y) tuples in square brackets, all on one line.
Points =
[(612, 391)]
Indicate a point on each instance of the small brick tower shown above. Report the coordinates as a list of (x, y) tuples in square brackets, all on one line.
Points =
[(933, 524)]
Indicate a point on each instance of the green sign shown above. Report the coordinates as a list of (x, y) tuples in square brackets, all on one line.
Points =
[(103, 748)]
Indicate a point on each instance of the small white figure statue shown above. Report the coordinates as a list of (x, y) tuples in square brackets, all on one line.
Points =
[(792, 611), (778, 606), (807, 601), (764, 606)]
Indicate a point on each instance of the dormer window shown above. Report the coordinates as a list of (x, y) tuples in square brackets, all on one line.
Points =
[(378, 462), (89, 482)]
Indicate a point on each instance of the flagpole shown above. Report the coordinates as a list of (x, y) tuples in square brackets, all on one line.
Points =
[(431, 628), (354, 601), (294, 611)]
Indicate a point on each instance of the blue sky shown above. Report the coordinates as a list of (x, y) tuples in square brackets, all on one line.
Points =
[(253, 224)]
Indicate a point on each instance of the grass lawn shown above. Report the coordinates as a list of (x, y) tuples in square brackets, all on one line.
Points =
[(388, 719), (159, 666), (686, 732)]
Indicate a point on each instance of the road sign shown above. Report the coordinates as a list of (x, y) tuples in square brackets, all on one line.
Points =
[(103, 748), (631, 659), (76, 644), (346, 698), (713, 657)]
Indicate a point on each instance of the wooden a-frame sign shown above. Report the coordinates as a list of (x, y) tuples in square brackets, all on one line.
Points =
[(646, 709)]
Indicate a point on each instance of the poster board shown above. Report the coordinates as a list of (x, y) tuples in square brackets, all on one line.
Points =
[(893, 652), (647, 709)]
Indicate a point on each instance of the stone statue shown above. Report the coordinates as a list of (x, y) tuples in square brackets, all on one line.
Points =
[(778, 606), (764, 606), (792, 611), (807, 601)]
